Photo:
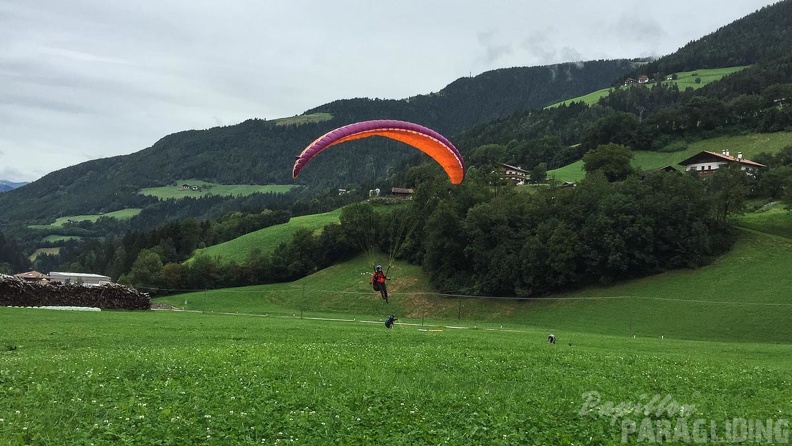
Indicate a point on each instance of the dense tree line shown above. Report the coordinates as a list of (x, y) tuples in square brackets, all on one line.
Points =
[(12, 259), (518, 244)]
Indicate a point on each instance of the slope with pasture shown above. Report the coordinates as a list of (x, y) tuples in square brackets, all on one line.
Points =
[(743, 296), (265, 240), (750, 145)]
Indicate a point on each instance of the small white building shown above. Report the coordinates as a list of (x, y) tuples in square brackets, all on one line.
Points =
[(84, 279)]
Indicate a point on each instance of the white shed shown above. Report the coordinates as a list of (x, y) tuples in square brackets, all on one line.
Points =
[(78, 278)]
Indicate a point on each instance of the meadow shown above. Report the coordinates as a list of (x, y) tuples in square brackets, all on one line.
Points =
[(240, 248), (750, 145), (121, 214), (175, 191), (303, 119), (684, 80), (741, 297), (174, 378), (41, 251), (267, 239)]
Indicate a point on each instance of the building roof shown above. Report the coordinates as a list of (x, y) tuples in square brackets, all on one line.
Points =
[(668, 168), (703, 156), (31, 275), (401, 190), (82, 275), (509, 166)]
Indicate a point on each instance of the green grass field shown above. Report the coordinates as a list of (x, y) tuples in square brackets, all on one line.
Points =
[(40, 251), (205, 188), (267, 239), (684, 80), (53, 238), (121, 214), (175, 378), (303, 119), (750, 145), (773, 219)]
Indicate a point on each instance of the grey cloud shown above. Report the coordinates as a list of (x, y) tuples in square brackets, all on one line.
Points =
[(11, 174), (543, 50), (492, 51), (638, 28)]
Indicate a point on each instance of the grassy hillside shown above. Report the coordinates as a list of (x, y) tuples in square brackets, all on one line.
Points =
[(304, 119), (161, 377), (267, 239), (204, 188), (772, 219), (742, 296), (693, 79), (750, 145), (40, 251), (121, 214)]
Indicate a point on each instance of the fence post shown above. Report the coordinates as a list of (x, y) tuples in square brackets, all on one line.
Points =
[(302, 304)]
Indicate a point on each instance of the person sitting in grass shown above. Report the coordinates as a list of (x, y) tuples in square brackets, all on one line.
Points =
[(378, 281), (390, 320), (551, 338)]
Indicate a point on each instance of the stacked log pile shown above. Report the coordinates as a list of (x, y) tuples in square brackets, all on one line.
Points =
[(20, 293)]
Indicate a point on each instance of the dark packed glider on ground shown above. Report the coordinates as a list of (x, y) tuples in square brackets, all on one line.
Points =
[(424, 139)]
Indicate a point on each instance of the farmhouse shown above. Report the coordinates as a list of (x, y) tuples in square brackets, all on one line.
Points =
[(400, 192), (706, 163), (512, 173), (78, 278), (32, 276)]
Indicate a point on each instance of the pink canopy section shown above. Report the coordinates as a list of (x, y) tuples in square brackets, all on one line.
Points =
[(424, 139)]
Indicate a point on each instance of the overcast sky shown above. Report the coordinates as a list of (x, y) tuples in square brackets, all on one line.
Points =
[(88, 79)]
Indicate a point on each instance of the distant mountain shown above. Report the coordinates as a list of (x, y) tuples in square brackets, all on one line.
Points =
[(262, 152), (763, 35), (762, 41), (472, 111), (6, 185)]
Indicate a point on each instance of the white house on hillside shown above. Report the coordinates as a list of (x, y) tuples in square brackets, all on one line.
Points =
[(706, 163), (513, 173)]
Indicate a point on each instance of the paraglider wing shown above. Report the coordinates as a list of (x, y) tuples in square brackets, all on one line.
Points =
[(426, 140)]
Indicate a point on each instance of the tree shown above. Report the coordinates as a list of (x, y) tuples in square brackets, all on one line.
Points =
[(728, 190), (147, 270), (775, 183), (539, 173), (11, 256), (612, 160), (619, 128)]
